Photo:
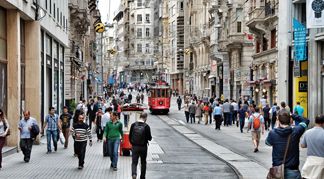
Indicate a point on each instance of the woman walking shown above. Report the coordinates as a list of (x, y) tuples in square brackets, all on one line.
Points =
[(186, 109), (4, 128)]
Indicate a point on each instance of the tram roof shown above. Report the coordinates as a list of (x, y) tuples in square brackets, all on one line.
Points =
[(160, 87)]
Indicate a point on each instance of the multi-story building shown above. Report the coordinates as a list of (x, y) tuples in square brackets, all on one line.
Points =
[(141, 42), (176, 44), (33, 38), (263, 23), (302, 81), (237, 48), (199, 43)]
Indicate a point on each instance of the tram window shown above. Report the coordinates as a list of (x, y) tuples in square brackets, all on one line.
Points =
[(158, 91), (152, 93), (163, 93)]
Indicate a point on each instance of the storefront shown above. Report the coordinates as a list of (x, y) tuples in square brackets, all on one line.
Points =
[(3, 60)]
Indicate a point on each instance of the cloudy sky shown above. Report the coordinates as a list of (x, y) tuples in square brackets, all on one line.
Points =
[(105, 11)]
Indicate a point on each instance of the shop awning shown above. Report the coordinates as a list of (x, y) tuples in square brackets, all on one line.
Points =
[(211, 76)]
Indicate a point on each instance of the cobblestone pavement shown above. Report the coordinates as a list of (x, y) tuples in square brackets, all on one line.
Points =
[(171, 155)]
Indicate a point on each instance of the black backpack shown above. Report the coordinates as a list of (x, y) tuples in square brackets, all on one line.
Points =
[(138, 137), (34, 131)]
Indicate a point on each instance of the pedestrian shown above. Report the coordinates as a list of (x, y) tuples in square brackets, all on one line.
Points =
[(218, 113), (140, 134), (4, 131), (179, 102), (91, 113), (314, 142), (256, 123), (242, 113), (235, 110), (273, 112), (113, 134), (104, 120), (232, 121), (192, 112), (299, 110), (210, 112), (266, 115), (142, 97), (130, 97), (285, 144), (227, 113), (65, 121), (206, 112), (138, 98), (99, 127), (199, 111), (186, 110), (25, 127), (81, 133), (53, 127), (284, 108)]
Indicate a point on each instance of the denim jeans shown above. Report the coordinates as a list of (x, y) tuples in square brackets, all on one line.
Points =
[(113, 145), (51, 134), (26, 147), (292, 174), (242, 122), (139, 152)]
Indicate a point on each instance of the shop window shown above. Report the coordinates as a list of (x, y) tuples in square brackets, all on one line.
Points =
[(139, 18), (239, 27), (257, 46), (3, 60)]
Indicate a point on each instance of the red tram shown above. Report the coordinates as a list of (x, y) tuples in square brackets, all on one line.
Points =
[(159, 97)]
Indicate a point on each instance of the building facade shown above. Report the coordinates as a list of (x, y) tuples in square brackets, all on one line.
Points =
[(33, 40)]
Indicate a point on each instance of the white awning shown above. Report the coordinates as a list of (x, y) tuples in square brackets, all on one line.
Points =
[(211, 76)]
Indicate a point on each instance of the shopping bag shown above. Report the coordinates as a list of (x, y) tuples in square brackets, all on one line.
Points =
[(93, 128), (62, 139)]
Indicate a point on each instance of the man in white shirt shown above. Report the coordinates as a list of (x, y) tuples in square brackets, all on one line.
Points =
[(236, 108), (106, 117)]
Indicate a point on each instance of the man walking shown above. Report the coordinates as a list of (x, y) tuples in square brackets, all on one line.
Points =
[(256, 123), (242, 113), (53, 127), (140, 134), (273, 112), (314, 142), (80, 133), (192, 112), (113, 134), (299, 110), (91, 113), (217, 113), (266, 115), (179, 102), (227, 113), (288, 137), (235, 110), (26, 139), (65, 121)]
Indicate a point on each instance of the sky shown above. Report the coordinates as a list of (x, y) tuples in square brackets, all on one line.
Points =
[(103, 6)]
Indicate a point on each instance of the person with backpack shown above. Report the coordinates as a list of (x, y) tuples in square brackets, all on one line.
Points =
[(113, 134), (4, 132), (140, 134), (285, 145), (52, 126), (192, 112), (25, 127), (80, 133), (314, 142), (256, 123), (65, 121)]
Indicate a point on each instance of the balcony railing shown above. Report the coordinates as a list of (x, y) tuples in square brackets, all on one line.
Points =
[(269, 10)]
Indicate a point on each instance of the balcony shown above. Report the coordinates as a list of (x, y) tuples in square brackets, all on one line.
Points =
[(256, 17), (236, 40), (79, 15), (270, 12)]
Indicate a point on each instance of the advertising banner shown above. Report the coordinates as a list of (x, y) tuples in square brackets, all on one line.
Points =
[(315, 13), (299, 41)]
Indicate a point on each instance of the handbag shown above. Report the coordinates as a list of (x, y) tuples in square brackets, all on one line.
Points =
[(278, 172), (62, 139)]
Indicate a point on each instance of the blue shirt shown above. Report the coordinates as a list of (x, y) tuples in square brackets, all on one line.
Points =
[(299, 110), (51, 122), (24, 125), (217, 111)]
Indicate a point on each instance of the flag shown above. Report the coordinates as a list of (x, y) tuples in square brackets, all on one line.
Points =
[(249, 36)]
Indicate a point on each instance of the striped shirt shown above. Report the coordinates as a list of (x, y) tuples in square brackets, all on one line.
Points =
[(80, 132)]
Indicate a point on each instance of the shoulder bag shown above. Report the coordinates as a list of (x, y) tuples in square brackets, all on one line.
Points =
[(278, 172)]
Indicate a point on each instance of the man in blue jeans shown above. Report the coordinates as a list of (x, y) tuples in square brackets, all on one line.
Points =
[(53, 126), (278, 138), (113, 134)]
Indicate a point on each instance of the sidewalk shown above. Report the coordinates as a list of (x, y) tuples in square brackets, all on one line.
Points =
[(62, 164)]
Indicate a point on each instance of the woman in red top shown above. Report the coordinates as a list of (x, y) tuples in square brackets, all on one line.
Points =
[(206, 112)]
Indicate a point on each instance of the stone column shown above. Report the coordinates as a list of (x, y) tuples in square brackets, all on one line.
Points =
[(226, 76), (33, 69), (13, 72)]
